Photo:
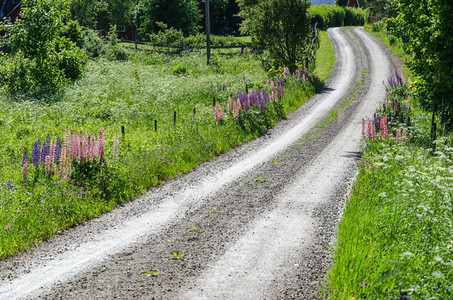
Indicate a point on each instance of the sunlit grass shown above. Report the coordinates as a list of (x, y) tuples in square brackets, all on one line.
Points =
[(325, 57)]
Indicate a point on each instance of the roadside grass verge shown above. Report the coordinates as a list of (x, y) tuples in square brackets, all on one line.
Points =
[(395, 237), (165, 106), (325, 57)]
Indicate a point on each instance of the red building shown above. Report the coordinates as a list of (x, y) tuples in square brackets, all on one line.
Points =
[(354, 3)]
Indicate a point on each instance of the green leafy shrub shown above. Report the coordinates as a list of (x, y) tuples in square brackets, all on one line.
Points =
[(354, 16), (327, 16), (93, 44), (42, 50), (113, 50), (282, 28)]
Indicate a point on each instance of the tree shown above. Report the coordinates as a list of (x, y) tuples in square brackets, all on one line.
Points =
[(383, 8), (181, 14), (425, 28), (283, 28), (42, 48), (100, 14)]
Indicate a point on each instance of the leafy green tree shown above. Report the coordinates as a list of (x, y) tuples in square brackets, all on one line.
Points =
[(181, 14), (42, 48), (383, 8), (283, 28), (100, 14), (425, 28)]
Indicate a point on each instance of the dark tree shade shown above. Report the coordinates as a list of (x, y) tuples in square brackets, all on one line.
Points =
[(182, 14)]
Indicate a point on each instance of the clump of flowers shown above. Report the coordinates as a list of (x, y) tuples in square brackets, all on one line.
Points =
[(55, 158), (395, 113)]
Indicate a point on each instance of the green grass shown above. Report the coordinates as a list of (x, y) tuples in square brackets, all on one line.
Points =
[(325, 57), (397, 229), (395, 237), (135, 94)]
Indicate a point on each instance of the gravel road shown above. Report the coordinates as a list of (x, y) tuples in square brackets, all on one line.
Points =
[(257, 222)]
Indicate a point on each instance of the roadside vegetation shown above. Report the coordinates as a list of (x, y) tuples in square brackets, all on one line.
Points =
[(395, 238), (132, 120)]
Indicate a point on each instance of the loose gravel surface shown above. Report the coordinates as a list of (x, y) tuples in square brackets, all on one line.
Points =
[(258, 222)]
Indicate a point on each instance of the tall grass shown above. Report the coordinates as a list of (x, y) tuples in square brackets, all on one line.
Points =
[(395, 238)]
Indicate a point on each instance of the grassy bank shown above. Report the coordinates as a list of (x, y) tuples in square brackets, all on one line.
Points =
[(157, 118), (395, 238), (324, 57)]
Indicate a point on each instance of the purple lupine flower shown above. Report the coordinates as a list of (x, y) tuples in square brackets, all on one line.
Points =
[(57, 151), (36, 153), (45, 151), (24, 157), (9, 185), (263, 106)]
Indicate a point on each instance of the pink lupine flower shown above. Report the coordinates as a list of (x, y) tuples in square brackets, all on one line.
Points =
[(409, 81), (52, 152), (408, 102), (398, 135), (92, 146), (286, 72), (48, 166), (101, 146), (404, 136), (369, 127), (385, 131), (363, 129), (373, 132), (238, 108), (230, 104), (63, 161), (218, 112)]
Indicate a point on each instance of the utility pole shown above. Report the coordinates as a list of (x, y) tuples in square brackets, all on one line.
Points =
[(208, 31)]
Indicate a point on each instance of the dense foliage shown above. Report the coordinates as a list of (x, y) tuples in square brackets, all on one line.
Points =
[(425, 29), (334, 16), (282, 28), (182, 15), (43, 49), (383, 8), (99, 14)]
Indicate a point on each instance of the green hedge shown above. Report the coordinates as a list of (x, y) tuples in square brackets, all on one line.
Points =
[(334, 16)]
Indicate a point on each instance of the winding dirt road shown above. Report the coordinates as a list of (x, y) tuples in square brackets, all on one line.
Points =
[(254, 223)]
